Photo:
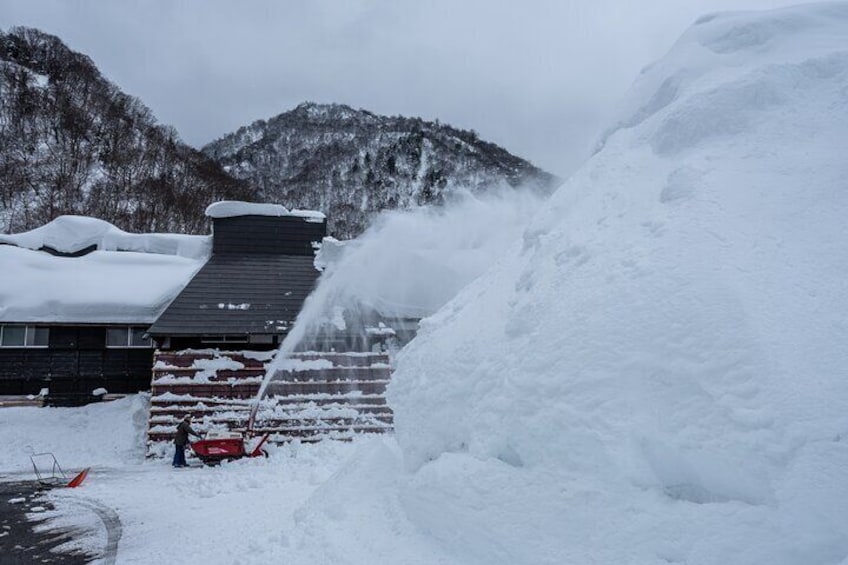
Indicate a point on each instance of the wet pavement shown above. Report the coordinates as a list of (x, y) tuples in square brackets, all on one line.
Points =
[(19, 543)]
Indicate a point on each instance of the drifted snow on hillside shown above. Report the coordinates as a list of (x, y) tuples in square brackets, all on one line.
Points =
[(656, 373), (73, 143)]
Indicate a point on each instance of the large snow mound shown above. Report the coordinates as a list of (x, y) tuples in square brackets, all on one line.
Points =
[(657, 372)]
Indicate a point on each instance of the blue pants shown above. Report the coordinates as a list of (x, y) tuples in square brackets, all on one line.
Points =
[(179, 456)]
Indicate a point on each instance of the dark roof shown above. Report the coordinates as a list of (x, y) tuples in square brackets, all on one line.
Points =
[(236, 294), (260, 273)]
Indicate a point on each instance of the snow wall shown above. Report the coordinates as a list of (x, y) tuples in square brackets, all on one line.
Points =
[(658, 370)]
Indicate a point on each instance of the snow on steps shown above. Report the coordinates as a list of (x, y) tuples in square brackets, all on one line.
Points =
[(315, 396)]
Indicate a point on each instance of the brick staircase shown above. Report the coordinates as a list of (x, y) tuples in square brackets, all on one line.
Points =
[(314, 395)]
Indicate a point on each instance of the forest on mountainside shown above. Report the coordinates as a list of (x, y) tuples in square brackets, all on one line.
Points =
[(72, 143), (351, 164)]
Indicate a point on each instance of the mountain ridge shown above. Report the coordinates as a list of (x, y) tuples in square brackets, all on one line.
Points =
[(351, 163), (73, 143)]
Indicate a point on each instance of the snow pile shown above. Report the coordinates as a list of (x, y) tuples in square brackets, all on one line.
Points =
[(70, 234), (99, 435), (656, 372)]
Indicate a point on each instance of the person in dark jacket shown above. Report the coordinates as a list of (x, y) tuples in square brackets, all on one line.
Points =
[(181, 440)]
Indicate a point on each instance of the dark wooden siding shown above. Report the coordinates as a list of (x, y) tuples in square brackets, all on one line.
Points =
[(283, 235), (204, 342), (63, 338), (260, 272), (76, 360)]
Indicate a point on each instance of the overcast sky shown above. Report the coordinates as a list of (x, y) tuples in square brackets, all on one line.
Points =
[(537, 77)]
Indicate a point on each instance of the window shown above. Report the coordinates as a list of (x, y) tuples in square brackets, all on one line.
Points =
[(224, 339), (24, 336), (37, 336), (137, 338), (132, 336), (13, 336)]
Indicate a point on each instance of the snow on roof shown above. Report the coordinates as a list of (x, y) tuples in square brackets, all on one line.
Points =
[(309, 215), (232, 208), (69, 234), (102, 286), (130, 278)]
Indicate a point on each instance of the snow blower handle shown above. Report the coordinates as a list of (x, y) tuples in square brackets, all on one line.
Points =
[(252, 418)]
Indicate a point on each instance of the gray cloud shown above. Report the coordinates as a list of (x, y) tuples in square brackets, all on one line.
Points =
[(538, 77)]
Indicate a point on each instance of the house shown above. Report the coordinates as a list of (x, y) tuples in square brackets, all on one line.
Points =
[(76, 298), (218, 338), (196, 320), (77, 307), (250, 291)]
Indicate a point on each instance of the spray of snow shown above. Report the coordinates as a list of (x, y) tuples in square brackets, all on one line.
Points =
[(408, 264)]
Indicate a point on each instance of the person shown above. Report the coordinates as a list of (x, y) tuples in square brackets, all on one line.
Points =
[(181, 440)]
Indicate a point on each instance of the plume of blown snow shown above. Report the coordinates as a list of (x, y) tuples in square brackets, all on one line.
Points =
[(409, 263)]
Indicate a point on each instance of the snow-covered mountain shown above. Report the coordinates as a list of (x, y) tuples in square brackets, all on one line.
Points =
[(351, 164), (72, 143), (656, 372)]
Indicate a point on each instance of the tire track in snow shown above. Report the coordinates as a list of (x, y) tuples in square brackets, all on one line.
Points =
[(111, 522)]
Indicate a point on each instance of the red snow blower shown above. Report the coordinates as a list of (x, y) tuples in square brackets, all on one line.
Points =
[(220, 446), (226, 446)]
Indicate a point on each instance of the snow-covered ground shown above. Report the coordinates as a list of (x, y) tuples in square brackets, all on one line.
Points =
[(240, 512), (655, 373)]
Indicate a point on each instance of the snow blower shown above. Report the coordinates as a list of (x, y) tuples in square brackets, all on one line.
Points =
[(226, 446)]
